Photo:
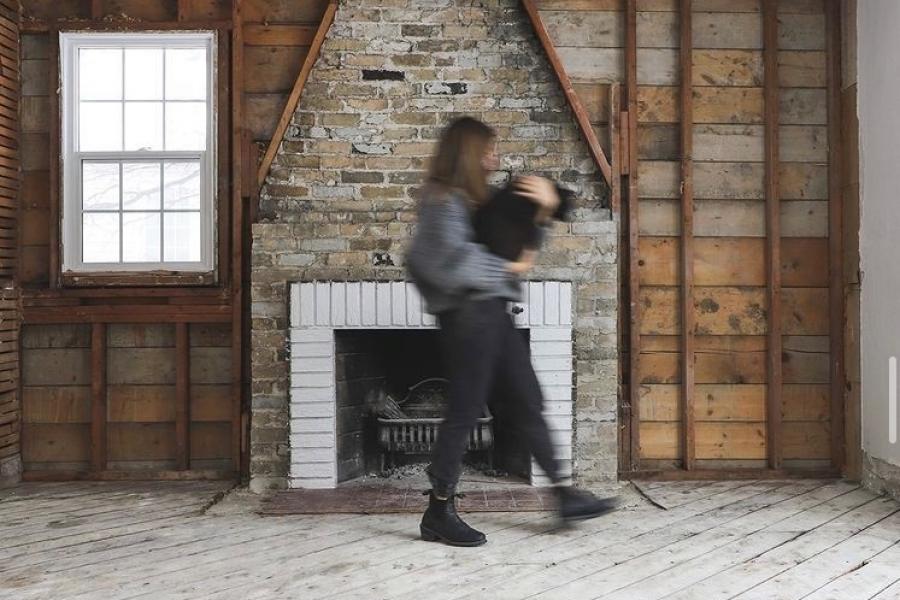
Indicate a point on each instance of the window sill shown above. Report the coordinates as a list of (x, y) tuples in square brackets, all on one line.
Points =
[(137, 279)]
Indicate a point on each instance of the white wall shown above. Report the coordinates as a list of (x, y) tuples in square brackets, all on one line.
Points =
[(879, 119)]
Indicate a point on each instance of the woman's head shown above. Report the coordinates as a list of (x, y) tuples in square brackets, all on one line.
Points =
[(464, 155)]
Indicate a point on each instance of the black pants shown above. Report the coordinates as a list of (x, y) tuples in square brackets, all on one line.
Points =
[(480, 347)]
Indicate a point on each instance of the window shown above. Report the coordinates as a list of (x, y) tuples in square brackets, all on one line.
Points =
[(138, 151)]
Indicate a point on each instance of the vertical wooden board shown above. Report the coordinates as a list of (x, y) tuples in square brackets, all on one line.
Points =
[(728, 143), (806, 402), (802, 181), (745, 218), (728, 180), (738, 105), (802, 106), (141, 441), (807, 439), (730, 310), (658, 104), (587, 29), (210, 441), (141, 403), (805, 311), (803, 143), (727, 30), (56, 404), (804, 262), (801, 69), (727, 68), (659, 311), (55, 442), (731, 440), (801, 31)]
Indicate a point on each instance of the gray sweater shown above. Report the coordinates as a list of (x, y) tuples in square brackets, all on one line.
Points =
[(446, 264)]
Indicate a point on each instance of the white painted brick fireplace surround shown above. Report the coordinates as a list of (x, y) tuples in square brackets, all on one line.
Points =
[(319, 308)]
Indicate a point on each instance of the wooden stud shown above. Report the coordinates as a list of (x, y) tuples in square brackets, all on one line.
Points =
[(634, 350), (182, 398), (581, 115), (294, 98), (43, 26), (615, 156), (773, 234), (98, 397), (237, 227), (687, 239), (127, 313), (835, 232), (54, 153)]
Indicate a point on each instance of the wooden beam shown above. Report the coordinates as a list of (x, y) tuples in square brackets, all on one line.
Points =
[(773, 234), (54, 154), (42, 26), (98, 397), (837, 315), (237, 229), (294, 98), (687, 238), (615, 147), (634, 309), (128, 313), (182, 398), (578, 110)]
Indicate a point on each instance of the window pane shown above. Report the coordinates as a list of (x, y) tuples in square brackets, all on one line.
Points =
[(186, 74), (100, 126), (140, 237), (100, 186), (143, 126), (185, 126), (140, 186), (182, 237), (182, 185), (100, 73), (100, 237), (143, 73)]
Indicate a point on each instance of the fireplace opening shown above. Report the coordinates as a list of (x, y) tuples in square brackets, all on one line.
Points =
[(400, 374)]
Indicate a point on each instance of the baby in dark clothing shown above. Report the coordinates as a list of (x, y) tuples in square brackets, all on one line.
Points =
[(506, 223)]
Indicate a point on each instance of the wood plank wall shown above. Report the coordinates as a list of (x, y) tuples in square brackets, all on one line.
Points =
[(9, 200), (147, 375)]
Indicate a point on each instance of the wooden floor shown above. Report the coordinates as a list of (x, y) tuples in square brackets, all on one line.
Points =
[(748, 540)]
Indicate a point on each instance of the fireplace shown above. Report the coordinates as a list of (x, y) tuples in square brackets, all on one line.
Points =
[(338, 210), (329, 320)]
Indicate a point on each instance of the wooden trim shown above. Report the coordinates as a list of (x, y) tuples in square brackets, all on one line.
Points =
[(687, 238), (54, 160), (773, 234), (294, 98), (578, 110), (182, 398), (128, 313), (41, 26), (837, 314), (98, 397), (726, 474), (237, 226), (634, 309), (225, 90), (133, 279), (115, 475)]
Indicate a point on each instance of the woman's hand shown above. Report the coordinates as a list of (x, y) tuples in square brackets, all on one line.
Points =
[(542, 192), (524, 264)]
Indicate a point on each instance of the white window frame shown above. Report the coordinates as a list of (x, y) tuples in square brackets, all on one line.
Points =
[(69, 44)]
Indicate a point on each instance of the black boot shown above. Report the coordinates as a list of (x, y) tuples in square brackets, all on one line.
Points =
[(577, 505), (441, 523)]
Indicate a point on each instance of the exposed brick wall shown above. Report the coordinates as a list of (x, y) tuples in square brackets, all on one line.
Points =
[(338, 202)]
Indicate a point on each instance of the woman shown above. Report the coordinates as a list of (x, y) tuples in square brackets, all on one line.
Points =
[(468, 289)]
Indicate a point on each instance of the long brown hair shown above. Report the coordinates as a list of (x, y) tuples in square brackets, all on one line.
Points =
[(457, 162)]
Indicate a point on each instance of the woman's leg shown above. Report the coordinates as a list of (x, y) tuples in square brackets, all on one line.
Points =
[(523, 392), (471, 338)]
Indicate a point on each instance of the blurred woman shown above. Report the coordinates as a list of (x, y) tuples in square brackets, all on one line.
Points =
[(468, 289)]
